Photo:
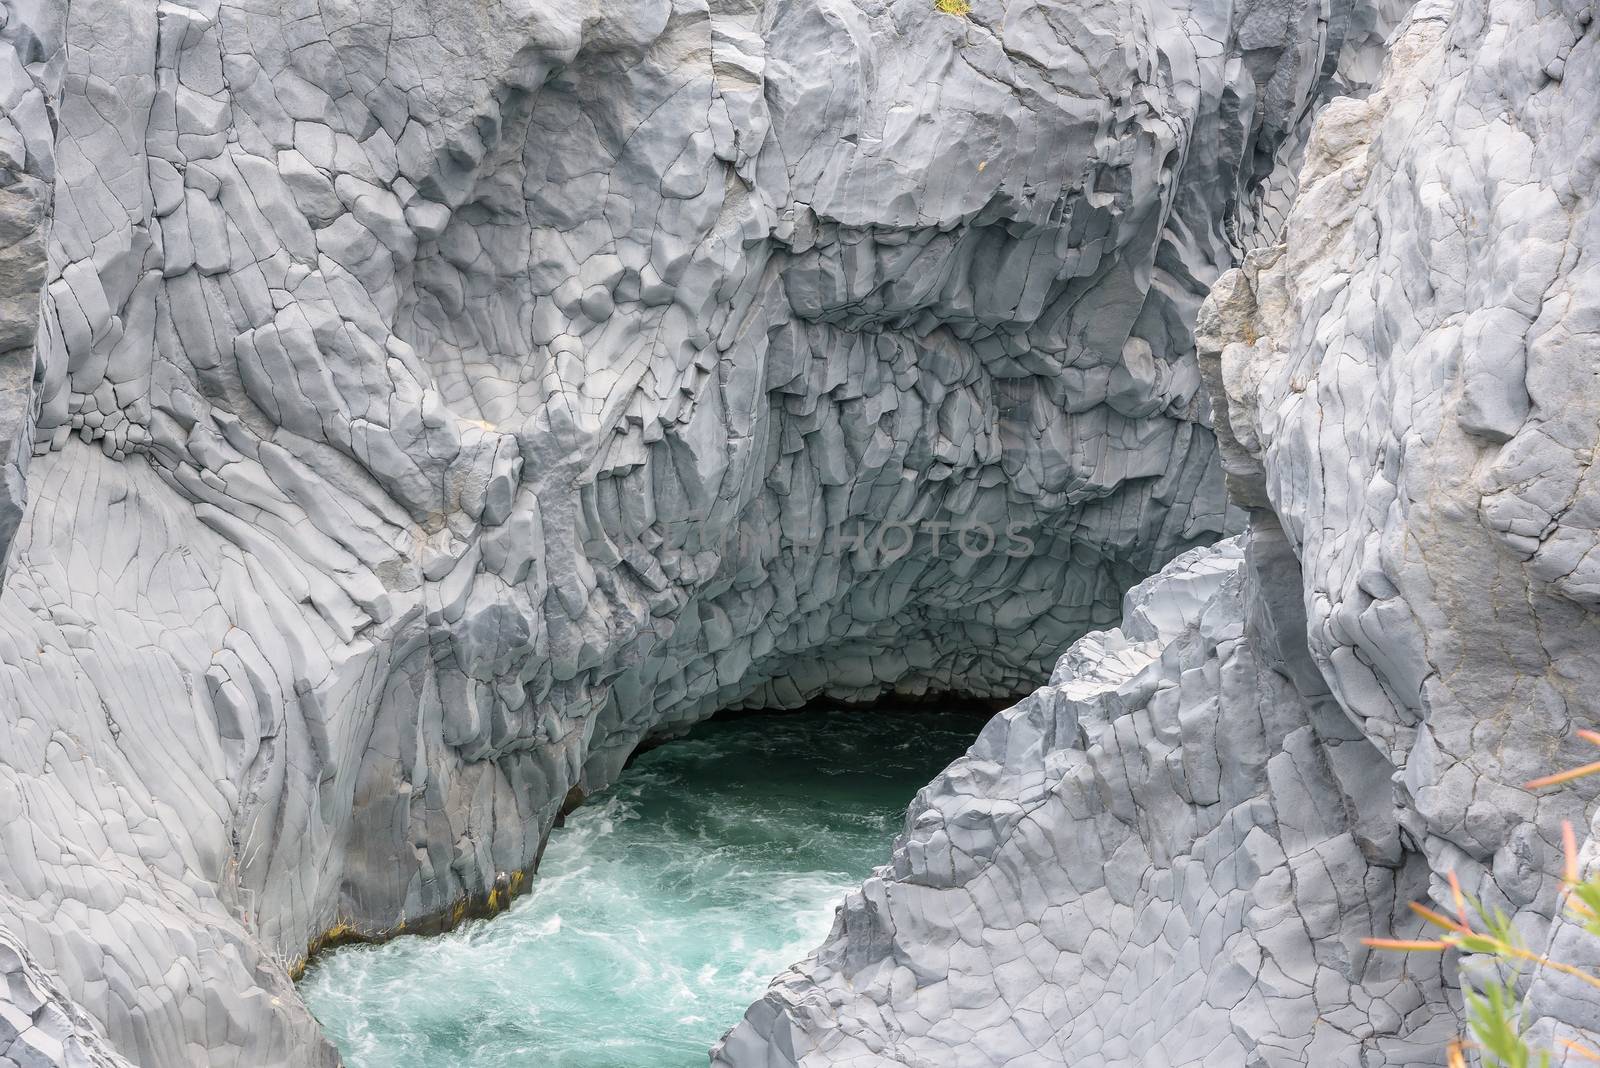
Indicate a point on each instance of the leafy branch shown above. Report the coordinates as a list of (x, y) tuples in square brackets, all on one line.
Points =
[(1494, 1014)]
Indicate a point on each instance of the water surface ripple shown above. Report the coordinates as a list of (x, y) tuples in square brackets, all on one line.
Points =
[(661, 909)]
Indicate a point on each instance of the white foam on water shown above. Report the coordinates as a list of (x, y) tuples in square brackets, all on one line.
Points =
[(661, 910)]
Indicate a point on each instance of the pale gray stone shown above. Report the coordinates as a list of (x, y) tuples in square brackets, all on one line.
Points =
[(417, 407), (1406, 403), (1428, 302), (418, 435), (1148, 861), (40, 1026)]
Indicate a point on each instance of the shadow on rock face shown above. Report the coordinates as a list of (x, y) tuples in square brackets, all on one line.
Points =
[(434, 400)]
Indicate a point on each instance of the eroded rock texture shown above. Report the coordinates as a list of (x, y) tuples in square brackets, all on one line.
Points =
[(1410, 384), (431, 400), (1410, 412), (30, 81), (40, 1026), (1168, 855)]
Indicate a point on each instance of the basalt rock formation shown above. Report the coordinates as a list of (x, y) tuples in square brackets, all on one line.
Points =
[(1169, 854), (39, 1023), (410, 406)]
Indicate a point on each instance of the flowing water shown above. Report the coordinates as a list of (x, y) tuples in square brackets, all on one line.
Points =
[(661, 909)]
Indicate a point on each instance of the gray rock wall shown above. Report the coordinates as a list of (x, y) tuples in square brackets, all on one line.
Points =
[(1166, 856), (1406, 404), (431, 400), (40, 1026), (32, 62), (1431, 302)]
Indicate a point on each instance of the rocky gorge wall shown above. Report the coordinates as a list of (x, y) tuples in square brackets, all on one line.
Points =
[(411, 407), (1167, 855), (1405, 396)]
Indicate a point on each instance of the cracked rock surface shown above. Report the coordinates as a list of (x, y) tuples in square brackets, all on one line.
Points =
[(30, 82), (1167, 855), (419, 403), (1409, 383), (39, 1024), (1406, 404)]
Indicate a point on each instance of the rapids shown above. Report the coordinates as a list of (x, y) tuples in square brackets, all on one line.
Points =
[(661, 909)]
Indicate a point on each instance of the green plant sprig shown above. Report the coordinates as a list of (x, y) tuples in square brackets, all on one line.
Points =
[(1494, 1015)]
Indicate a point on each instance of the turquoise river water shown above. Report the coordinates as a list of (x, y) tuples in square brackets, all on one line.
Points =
[(661, 909)]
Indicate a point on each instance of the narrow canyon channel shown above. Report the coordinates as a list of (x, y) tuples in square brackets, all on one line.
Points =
[(662, 908)]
